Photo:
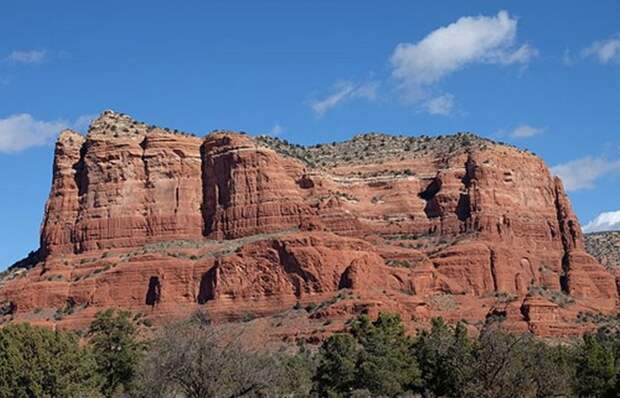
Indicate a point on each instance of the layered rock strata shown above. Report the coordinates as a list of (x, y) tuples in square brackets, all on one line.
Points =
[(166, 224)]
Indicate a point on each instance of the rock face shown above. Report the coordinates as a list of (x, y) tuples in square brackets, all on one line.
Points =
[(166, 224), (122, 186), (247, 189)]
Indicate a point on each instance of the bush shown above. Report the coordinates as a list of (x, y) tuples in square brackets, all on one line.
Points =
[(507, 365), (596, 370), (195, 360), (37, 362)]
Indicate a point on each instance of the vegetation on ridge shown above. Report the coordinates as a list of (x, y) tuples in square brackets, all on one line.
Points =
[(375, 148)]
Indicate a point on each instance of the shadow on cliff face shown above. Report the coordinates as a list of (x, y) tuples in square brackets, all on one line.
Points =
[(346, 279), (463, 208), (432, 208), (153, 295), (81, 173), (208, 283)]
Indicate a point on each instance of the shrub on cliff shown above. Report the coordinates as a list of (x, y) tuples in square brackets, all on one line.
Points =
[(36, 362)]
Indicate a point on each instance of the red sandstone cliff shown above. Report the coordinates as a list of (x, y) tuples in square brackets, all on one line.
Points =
[(165, 224)]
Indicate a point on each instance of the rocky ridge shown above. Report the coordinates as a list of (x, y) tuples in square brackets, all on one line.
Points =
[(168, 224), (605, 246), (376, 147)]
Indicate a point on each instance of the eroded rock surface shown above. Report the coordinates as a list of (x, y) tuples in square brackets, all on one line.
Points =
[(166, 224)]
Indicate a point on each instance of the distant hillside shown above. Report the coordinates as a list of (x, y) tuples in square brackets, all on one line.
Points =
[(605, 246)]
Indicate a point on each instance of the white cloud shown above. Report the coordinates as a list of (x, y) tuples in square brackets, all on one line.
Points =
[(469, 40), (344, 91), (442, 105), (27, 57), (522, 131), (609, 221), (22, 131), (605, 50), (276, 130), (522, 55), (583, 173)]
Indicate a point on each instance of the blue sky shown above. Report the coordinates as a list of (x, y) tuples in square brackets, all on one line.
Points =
[(541, 75)]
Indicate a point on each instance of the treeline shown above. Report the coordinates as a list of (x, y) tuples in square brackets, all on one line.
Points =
[(194, 359)]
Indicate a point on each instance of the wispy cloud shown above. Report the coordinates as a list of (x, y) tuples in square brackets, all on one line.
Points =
[(22, 131), (82, 122), (608, 221), (342, 92), (605, 51), (567, 58), (522, 131), (469, 40), (27, 57), (583, 173), (441, 105), (276, 130)]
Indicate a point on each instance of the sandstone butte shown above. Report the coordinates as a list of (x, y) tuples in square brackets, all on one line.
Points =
[(302, 239)]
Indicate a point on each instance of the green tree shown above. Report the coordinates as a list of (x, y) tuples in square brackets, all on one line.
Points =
[(551, 369), (297, 373), (609, 337), (445, 357), (386, 364), (113, 338), (376, 358), (596, 370), (336, 373), (36, 362)]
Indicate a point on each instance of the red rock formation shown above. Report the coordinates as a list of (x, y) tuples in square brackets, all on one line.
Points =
[(58, 235), (123, 185), (248, 189), (166, 224)]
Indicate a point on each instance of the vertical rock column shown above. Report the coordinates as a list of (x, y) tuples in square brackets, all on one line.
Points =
[(61, 210)]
